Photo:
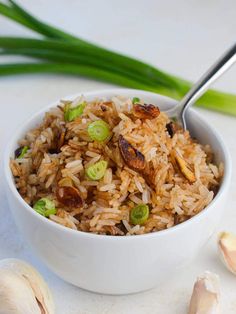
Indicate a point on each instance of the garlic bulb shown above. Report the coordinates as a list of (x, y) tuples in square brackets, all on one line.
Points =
[(23, 290), (227, 250), (205, 296)]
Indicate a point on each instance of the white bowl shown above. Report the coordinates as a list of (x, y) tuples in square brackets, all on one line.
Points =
[(119, 265)]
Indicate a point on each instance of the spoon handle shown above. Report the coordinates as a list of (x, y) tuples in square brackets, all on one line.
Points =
[(199, 88)]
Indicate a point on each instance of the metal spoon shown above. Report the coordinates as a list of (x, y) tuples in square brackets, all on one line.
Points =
[(199, 88)]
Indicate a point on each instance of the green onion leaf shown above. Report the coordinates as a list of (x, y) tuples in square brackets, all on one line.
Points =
[(23, 152), (99, 131), (139, 214), (45, 207), (135, 100), (97, 171), (75, 112)]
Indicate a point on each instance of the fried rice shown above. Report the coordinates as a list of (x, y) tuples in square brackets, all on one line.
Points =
[(150, 161)]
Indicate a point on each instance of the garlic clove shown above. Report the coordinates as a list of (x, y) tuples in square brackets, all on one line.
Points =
[(16, 296), (227, 250), (23, 290), (206, 295)]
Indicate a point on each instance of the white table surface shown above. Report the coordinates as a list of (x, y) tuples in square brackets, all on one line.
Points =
[(183, 37)]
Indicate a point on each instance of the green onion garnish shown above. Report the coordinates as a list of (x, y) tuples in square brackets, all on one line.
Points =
[(96, 171), (23, 152), (73, 113), (45, 207), (139, 214), (99, 131), (135, 100)]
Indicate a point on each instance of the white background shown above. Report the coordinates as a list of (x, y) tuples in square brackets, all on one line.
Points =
[(181, 36)]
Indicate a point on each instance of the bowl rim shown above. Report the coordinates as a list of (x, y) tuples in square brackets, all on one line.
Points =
[(99, 93)]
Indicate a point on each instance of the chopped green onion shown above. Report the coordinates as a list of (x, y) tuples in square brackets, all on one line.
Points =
[(99, 131), (45, 207), (139, 214), (135, 100), (97, 171), (75, 112), (23, 152)]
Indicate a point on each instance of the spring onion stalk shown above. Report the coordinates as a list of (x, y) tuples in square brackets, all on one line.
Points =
[(23, 152), (75, 112), (45, 207), (86, 59), (11, 14), (128, 66), (73, 69), (99, 131), (135, 100), (97, 170), (72, 58), (139, 214), (53, 32), (218, 101)]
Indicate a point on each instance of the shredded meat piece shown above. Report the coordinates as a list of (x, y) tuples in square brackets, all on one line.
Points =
[(136, 160), (69, 196), (146, 111), (133, 158), (171, 128)]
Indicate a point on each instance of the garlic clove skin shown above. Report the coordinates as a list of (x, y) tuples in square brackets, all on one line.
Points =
[(23, 290), (227, 250), (16, 296), (206, 295)]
